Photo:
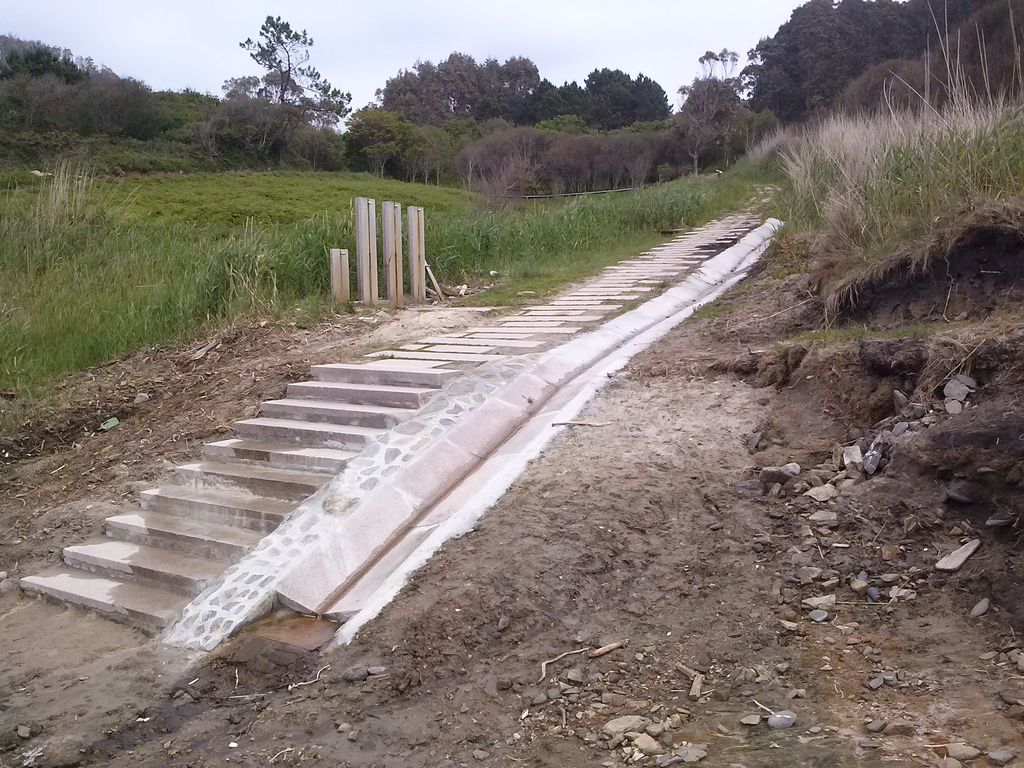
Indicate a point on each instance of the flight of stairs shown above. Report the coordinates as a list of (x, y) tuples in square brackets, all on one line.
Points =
[(156, 558)]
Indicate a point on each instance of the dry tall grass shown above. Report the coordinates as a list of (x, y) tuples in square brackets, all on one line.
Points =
[(874, 190)]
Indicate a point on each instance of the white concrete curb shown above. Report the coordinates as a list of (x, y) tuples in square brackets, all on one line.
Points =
[(586, 362)]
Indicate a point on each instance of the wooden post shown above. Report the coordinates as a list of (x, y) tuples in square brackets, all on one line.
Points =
[(363, 263), (387, 221), (371, 216), (415, 274), (422, 267), (339, 276), (396, 260)]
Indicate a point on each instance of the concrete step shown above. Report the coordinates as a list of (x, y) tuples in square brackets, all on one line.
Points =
[(149, 566), (212, 541), (389, 375), (261, 481), (244, 510), (334, 412), (307, 433), (283, 455), (363, 394), (149, 608)]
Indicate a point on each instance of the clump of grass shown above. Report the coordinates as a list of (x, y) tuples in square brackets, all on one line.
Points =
[(874, 189)]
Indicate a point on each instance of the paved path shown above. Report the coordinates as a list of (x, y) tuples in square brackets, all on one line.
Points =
[(184, 534)]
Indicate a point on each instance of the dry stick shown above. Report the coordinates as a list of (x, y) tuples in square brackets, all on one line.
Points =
[(580, 423), (284, 751), (310, 682), (605, 649), (762, 706), (544, 664)]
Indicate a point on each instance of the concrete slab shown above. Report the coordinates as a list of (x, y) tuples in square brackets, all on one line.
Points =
[(535, 330), (451, 357), (494, 341)]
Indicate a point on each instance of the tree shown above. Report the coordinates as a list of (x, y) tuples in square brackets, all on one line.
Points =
[(376, 137), (289, 80), (38, 60), (709, 105)]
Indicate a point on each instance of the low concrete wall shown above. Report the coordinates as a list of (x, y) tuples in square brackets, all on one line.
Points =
[(337, 534)]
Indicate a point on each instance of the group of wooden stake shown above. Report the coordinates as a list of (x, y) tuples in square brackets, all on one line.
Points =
[(367, 290)]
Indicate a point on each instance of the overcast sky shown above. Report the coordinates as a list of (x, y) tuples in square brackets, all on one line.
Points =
[(358, 45)]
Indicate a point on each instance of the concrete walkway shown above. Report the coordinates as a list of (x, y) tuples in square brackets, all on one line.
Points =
[(187, 535)]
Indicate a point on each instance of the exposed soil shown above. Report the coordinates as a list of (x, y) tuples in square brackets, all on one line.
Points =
[(654, 531), (61, 475)]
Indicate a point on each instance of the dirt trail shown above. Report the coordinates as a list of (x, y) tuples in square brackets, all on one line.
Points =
[(652, 531)]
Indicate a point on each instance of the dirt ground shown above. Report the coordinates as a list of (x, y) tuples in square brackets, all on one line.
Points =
[(655, 532)]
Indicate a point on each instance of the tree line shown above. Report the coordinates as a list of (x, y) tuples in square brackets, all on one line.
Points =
[(831, 55), (497, 127)]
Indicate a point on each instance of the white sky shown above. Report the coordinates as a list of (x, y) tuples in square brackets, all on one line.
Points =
[(358, 45)]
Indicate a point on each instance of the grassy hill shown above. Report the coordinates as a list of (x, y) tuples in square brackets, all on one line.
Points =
[(93, 269)]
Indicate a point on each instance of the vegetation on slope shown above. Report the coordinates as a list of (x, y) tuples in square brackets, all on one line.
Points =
[(90, 270)]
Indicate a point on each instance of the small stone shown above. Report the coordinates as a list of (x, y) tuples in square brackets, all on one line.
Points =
[(824, 516), (480, 754), (954, 407), (891, 552), (873, 594), (899, 400), (859, 586), (781, 475), (852, 456), (900, 728), (956, 390), (353, 734), (900, 427), (377, 670), (875, 683), (355, 674), (751, 720), (950, 762), (1001, 756), (822, 493), (621, 725), (818, 615), (782, 719), (692, 753), (1015, 712), (141, 398), (823, 601), (648, 745), (24, 732), (980, 608), (876, 726), (955, 560), (960, 751)]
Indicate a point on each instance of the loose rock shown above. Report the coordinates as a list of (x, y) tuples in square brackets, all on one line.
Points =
[(959, 751), (822, 493), (648, 745), (980, 608), (621, 725), (955, 559), (782, 719), (956, 390), (1002, 756), (692, 753)]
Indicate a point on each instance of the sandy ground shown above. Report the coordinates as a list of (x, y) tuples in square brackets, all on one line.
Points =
[(652, 532)]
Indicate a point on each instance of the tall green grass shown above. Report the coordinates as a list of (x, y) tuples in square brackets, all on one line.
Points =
[(91, 270)]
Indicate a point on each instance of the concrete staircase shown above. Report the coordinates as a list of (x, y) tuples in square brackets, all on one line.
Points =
[(184, 534)]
